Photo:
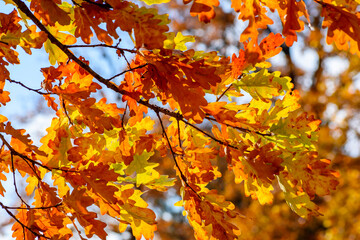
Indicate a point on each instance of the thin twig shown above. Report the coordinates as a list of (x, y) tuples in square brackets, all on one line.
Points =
[(223, 93), (66, 113), (28, 88), (118, 43), (183, 178), (101, 45), (34, 208), (14, 178), (242, 129), (128, 70), (127, 61)]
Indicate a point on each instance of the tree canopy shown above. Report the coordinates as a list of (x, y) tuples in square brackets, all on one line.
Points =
[(194, 121)]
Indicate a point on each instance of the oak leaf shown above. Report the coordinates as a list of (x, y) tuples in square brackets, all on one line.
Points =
[(203, 9), (343, 27)]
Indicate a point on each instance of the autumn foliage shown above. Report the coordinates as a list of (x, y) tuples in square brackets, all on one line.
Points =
[(183, 119)]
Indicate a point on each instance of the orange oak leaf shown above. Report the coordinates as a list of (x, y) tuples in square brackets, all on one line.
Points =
[(3, 168), (19, 134), (265, 162), (4, 97), (254, 12), (270, 45), (343, 27), (11, 37), (254, 53), (31, 39), (238, 64), (10, 29), (97, 177), (228, 114), (211, 216), (317, 178), (136, 213), (183, 79), (18, 232), (78, 201), (86, 17), (201, 73), (203, 9), (50, 12), (146, 24), (290, 12), (51, 102), (10, 23)]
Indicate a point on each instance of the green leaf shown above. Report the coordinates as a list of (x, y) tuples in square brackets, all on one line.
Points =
[(264, 85), (161, 183), (139, 163), (298, 201)]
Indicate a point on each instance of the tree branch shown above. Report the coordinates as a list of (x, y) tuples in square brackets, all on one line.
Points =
[(101, 45), (34, 208), (28, 88), (241, 129), (22, 224), (227, 89)]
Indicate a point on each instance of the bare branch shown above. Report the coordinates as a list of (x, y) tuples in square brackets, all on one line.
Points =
[(227, 89), (128, 70), (101, 45)]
